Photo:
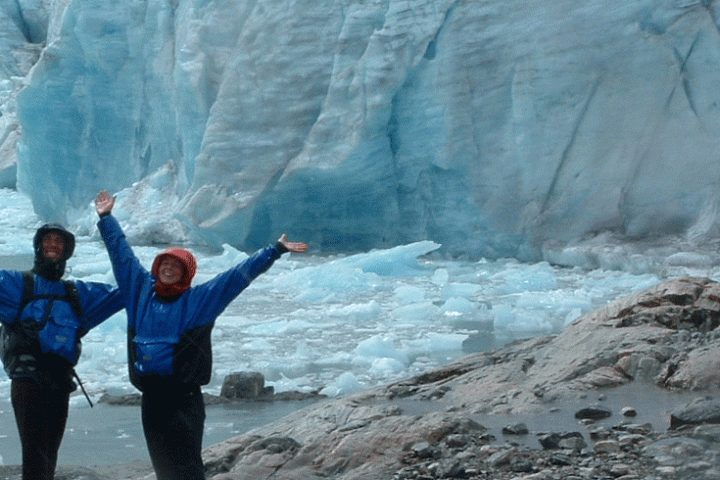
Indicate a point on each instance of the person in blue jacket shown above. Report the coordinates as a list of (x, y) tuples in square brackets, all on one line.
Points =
[(169, 348), (43, 319)]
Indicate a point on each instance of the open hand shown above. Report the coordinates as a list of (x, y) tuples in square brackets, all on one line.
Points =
[(297, 247), (104, 203)]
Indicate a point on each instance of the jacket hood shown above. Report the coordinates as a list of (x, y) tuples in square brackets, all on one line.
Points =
[(54, 228), (190, 267)]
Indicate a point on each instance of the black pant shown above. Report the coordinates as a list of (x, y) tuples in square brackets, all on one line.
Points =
[(173, 426), (41, 413)]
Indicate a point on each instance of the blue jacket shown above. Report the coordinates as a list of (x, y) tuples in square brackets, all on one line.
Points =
[(98, 302), (169, 341)]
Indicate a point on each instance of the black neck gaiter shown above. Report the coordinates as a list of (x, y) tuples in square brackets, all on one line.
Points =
[(49, 269)]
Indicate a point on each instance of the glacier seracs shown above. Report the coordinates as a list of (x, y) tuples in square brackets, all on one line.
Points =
[(492, 128)]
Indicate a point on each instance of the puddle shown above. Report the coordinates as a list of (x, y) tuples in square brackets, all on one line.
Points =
[(652, 404)]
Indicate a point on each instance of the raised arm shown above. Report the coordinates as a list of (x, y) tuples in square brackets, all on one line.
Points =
[(132, 278)]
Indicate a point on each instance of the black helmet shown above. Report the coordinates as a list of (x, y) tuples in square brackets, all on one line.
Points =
[(54, 228)]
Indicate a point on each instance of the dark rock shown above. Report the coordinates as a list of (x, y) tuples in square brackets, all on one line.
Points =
[(296, 396), (593, 412), (422, 450), (451, 468), (132, 399), (516, 429), (487, 438), (606, 446), (501, 457), (275, 444), (521, 465), (702, 410), (628, 412), (549, 441), (572, 441), (567, 440), (561, 459), (600, 433), (457, 440), (244, 385)]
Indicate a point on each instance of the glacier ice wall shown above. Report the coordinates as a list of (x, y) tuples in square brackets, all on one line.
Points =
[(491, 127)]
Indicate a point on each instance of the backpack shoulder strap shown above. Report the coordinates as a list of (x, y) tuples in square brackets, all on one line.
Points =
[(73, 298), (28, 291)]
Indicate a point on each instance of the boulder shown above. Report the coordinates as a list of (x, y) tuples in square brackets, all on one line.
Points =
[(700, 411), (245, 385), (593, 412)]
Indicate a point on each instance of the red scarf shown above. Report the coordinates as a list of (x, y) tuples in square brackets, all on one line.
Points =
[(165, 290)]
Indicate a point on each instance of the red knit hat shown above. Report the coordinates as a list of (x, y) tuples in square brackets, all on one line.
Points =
[(189, 268)]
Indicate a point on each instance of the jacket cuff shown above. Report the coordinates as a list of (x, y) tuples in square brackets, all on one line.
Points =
[(281, 248)]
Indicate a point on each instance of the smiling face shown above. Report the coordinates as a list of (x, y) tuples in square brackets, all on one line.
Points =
[(53, 246), (170, 271)]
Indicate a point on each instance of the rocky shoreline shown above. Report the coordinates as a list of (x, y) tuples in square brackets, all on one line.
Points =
[(478, 418), (624, 450), (662, 338)]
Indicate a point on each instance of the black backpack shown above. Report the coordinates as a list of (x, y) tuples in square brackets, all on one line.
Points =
[(20, 349)]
